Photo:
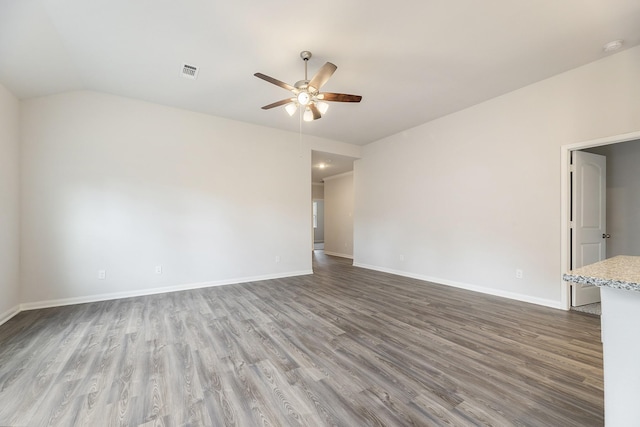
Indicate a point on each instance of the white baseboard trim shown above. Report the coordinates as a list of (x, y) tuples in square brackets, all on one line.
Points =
[(489, 291), (131, 294), (326, 252), (4, 317)]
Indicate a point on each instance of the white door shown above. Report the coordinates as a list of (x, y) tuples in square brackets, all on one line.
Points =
[(588, 207)]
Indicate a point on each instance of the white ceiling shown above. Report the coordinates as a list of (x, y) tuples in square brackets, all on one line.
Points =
[(412, 61)]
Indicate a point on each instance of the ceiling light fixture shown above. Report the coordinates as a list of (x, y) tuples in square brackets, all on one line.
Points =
[(291, 108), (322, 106), (308, 115), (304, 98)]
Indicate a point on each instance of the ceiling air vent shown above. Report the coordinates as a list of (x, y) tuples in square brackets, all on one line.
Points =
[(189, 71)]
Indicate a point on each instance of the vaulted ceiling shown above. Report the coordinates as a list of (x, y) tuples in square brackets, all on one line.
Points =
[(412, 61)]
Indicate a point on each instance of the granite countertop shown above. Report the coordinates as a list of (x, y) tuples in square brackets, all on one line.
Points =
[(620, 272)]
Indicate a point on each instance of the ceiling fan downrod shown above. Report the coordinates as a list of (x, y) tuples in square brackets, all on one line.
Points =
[(305, 55)]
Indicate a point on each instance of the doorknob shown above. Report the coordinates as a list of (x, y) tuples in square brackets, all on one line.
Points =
[(606, 236)]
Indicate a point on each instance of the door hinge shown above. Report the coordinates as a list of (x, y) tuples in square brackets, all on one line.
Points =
[(571, 224)]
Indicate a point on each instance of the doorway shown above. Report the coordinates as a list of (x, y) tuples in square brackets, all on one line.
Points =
[(566, 237), (332, 203)]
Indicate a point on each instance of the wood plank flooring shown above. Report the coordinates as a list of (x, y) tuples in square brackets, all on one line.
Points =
[(344, 347)]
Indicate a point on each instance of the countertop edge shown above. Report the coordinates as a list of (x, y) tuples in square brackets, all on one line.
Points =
[(600, 282)]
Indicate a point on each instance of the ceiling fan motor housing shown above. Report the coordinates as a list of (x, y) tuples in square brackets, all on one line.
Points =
[(301, 84)]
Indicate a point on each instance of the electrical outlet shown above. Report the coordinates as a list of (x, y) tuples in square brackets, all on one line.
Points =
[(102, 274), (158, 269), (277, 259), (401, 257), (519, 274)]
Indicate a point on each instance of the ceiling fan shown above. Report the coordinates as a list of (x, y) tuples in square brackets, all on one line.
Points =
[(306, 93)]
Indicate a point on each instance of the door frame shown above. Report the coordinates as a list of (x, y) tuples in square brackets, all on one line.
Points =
[(565, 202)]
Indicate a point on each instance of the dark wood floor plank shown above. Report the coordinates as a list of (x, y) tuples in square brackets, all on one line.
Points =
[(343, 347)]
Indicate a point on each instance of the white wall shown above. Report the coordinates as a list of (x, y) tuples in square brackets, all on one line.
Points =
[(9, 205), (317, 191), (123, 185), (338, 215), (469, 198), (318, 231), (623, 197)]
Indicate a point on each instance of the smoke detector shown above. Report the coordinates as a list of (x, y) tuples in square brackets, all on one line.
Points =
[(612, 46)]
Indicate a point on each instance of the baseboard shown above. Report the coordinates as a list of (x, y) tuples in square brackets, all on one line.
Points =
[(326, 252), (469, 287), (154, 291), (4, 317)]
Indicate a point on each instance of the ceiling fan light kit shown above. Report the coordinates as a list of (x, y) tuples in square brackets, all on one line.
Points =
[(306, 93), (322, 106), (291, 108)]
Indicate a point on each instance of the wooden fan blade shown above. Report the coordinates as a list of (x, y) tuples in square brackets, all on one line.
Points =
[(277, 104), (322, 75), (339, 97), (275, 81), (315, 111)]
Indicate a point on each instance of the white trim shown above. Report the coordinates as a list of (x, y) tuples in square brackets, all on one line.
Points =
[(565, 150), (338, 254), (7, 315), (608, 140), (321, 184), (340, 175), (177, 288), (467, 286), (565, 190)]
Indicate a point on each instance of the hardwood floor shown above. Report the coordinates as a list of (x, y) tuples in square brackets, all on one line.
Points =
[(344, 347)]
